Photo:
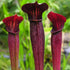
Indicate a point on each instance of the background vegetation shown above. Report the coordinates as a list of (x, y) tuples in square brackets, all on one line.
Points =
[(26, 60)]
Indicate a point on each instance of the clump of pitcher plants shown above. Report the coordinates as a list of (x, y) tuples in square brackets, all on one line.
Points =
[(34, 11)]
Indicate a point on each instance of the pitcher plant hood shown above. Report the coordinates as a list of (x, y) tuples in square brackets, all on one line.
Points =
[(12, 23), (34, 10), (57, 21)]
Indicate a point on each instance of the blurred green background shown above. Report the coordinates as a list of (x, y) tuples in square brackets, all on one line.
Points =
[(26, 60)]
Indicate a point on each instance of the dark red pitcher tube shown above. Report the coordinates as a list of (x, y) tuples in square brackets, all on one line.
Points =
[(56, 38), (12, 26), (56, 41), (37, 40), (34, 11), (13, 42)]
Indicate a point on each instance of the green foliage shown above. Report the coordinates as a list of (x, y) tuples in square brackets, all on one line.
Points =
[(65, 62), (48, 66), (67, 25), (4, 63)]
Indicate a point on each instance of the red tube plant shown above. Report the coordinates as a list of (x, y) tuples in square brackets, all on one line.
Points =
[(56, 38), (12, 26), (34, 11)]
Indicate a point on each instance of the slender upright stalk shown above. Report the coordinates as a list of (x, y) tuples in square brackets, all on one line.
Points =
[(34, 11), (12, 26), (37, 39), (56, 41), (13, 42), (56, 38)]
